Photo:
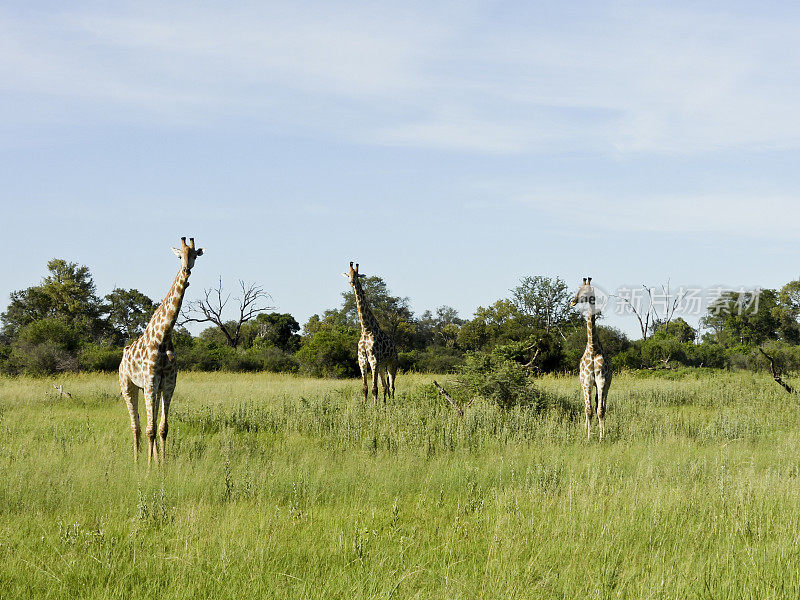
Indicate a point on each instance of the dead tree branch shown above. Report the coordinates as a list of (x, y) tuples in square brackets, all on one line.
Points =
[(449, 398), (644, 317), (530, 366), (210, 309), (776, 374)]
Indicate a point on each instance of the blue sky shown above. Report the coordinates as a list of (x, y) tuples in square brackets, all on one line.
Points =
[(449, 147)]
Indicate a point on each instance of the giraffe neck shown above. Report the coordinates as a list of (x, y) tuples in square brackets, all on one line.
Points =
[(368, 321), (164, 318), (592, 342)]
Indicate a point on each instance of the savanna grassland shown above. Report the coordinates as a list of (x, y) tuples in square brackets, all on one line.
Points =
[(284, 487)]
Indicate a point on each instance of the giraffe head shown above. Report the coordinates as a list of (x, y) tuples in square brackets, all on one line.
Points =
[(353, 274), (187, 254), (586, 295)]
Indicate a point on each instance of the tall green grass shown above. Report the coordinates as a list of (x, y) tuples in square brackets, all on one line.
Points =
[(285, 487)]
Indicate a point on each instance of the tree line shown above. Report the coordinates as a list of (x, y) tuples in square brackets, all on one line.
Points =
[(62, 324)]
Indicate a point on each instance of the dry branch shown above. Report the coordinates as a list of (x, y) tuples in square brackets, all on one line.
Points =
[(776, 374), (529, 365), (449, 398), (210, 309)]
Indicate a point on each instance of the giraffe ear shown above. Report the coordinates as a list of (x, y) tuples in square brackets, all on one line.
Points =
[(177, 252), (200, 252)]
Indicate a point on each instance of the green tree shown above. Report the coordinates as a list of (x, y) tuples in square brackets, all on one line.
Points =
[(502, 322), (439, 328), (787, 312), (275, 329), (743, 318), (546, 301), (129, 311), (68, 293), (677, 328), (330, 352)]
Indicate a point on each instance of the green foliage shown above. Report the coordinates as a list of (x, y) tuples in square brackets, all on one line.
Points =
[(500, 323), (66, 293), (546, 301), (41, 359), (61, 325), (433, 359), (54, 330), (267, 358), (499, 379), (661, 349), (331, 351), (439, 329), (787, 312), (744, 318), (628, 359), (677, 328), (272, 329), (45, 346), (707, 354), (129, 311), (100, 357)]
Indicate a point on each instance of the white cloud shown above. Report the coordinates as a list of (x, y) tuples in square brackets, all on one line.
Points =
[(735, 214), (632, 79)]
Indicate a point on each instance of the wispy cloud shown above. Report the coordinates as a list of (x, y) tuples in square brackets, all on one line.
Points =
[(632, 79), (735, 214)]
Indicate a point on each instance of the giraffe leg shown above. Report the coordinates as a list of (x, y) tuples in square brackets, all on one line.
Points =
[(602, 395), (392, 375), (364, 366), (600, 405), (586, 384), (131, 395), (374, 366), (151, 404), (163, 426), (384, 382)]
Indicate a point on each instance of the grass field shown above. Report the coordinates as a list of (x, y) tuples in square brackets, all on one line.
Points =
[(282, 487)]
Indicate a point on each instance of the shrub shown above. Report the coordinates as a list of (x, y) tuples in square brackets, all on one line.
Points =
[(330, 352), (496, 378), (97, 357), (41, 359), (435, 359)]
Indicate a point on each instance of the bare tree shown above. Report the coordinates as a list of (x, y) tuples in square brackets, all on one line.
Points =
[(647, 312), (210, 309), (644, 314)]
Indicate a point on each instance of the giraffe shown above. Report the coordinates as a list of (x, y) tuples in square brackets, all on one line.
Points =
[(149, 362), (376, 350), (595, 371)]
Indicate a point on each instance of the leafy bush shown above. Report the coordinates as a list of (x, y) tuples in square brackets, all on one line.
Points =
[(662, 349), (494, 377), (706, 354), (330, 352), (266, 358), (630, 359), (97, 357), (41, 359), (434, 359)]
